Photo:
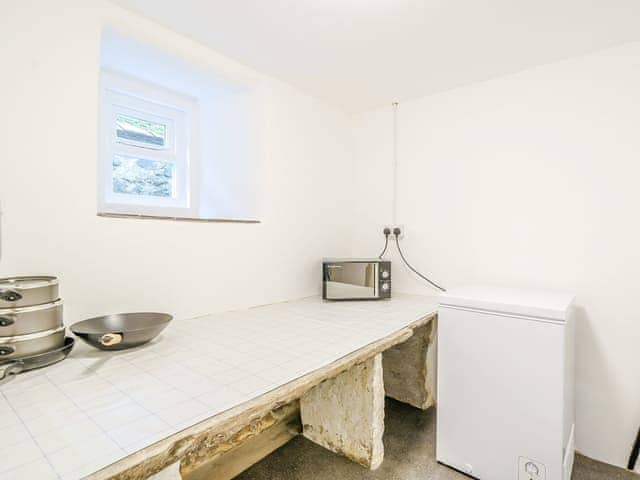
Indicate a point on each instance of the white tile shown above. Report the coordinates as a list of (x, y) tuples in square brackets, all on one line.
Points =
[(17, 454), (196, 360), (161, 362), (44, 407), (295, 367), (229, 376), (148, 441), (143, 360), (24, 381), (104, 362), (115, 367), (161, 371), (144, 394), (221, 397), (210, 367), (92, 451), (279, 357), (130, 380), (142, 384), (8, 417), (162, 400), (184, 378), (108, 401), (177, 414), (38, 469), (86, 389), (94, 463), (33, 395), (277, 375), (15, 433), (251, 384), (71, 433), (194, 389), (52, 421), (117, 417), (67, 371), (4, 404), (139, 430)]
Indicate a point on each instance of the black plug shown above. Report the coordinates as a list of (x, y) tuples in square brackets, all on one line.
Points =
[(386, 231), (397, 232)]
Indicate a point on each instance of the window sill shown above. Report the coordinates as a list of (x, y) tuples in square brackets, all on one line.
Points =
[(178, 219)]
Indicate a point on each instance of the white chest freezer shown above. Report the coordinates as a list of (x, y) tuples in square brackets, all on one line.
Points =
[(506, 383)]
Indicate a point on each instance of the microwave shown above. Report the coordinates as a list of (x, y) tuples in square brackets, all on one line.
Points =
[(356, 279)]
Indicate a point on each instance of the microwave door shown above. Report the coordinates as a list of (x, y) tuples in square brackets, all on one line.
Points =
[(352, 280)]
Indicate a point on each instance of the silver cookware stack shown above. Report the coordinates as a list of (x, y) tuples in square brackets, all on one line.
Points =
[(30, 317)]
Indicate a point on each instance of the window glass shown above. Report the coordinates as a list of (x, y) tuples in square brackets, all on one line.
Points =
[(139, 176), (141, 131)]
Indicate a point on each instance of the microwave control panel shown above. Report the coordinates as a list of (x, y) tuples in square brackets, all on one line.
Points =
[(384, 279)]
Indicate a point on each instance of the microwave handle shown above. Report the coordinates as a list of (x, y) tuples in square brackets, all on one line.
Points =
[(327, 270)]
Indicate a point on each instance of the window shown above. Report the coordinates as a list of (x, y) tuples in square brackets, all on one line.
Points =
[(177, 139), (145, 162)]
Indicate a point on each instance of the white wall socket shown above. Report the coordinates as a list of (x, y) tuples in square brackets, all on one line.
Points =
[(391, 227), (531, 470)]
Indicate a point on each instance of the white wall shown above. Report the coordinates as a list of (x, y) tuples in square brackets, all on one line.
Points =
[(49, 85), (528, 180)]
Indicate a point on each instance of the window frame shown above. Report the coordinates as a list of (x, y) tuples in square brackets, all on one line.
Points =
[(121, 94)]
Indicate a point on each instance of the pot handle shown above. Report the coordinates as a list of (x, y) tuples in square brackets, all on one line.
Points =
[(8, 350), (10, 370), (9, 295), (6, 321), (109, 339)]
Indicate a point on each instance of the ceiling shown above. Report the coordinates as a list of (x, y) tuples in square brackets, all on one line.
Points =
[(360, 54)]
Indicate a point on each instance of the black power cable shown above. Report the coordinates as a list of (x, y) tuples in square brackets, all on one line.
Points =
[(432, 283), (386, 232), (635, 451)]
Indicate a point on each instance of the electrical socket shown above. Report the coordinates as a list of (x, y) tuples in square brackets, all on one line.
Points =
[(392, 227)]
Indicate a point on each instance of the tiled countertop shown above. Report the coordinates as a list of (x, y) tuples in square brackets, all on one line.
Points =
[(80, 415)]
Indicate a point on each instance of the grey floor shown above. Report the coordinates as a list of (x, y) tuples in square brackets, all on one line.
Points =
[(409, 455)]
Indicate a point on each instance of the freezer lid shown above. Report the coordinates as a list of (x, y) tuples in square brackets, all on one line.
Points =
[(506, 300)]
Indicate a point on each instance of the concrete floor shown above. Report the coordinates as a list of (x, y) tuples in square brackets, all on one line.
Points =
[(409, 442)]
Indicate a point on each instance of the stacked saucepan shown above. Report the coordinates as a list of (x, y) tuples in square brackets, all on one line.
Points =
[(32, 334)]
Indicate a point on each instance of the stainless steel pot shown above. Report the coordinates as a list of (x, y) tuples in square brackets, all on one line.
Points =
[(26, 320), (18, 292), (32, 344)]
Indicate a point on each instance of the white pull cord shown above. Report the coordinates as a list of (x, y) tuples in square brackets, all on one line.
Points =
[(394, 206)]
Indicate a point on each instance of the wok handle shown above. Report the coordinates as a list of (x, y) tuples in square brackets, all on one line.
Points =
[(11, 369), (9, 295), (109, 339)]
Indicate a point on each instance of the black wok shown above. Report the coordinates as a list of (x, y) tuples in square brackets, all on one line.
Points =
[(122, 330)]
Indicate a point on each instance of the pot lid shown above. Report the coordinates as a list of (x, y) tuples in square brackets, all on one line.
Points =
[(24, 283)]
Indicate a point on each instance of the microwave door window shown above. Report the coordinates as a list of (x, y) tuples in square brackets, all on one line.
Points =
[(352, 280)]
